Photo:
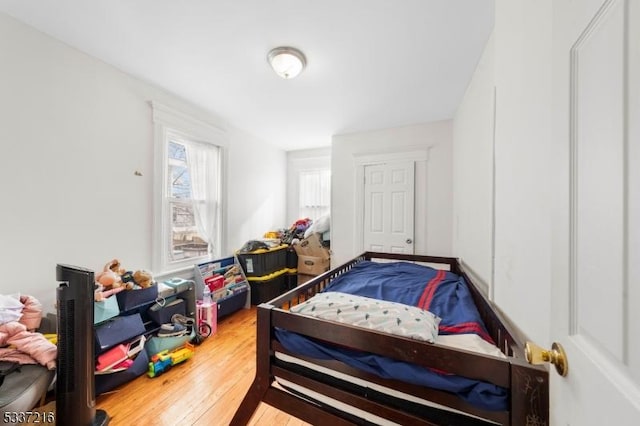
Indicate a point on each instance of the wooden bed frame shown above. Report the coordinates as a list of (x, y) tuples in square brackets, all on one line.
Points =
[(527, 385)]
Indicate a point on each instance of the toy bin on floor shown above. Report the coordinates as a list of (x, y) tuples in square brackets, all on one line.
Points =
[(161, 313), (233, 301), (117, 330), (106, 382), (158, 344), (105, 309), (130, 299)]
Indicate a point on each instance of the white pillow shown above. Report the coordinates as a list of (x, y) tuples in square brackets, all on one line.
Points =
[(389, 317)]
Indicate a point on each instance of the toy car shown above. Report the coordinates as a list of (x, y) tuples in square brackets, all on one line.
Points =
[(163, 361)]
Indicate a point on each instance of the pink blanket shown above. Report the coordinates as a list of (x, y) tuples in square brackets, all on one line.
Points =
[(27, 347)]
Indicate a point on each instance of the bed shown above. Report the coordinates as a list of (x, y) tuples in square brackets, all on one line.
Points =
[(324, 371)]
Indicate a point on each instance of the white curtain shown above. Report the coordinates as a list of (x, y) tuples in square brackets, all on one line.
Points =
[(203, 164), (315, 193)]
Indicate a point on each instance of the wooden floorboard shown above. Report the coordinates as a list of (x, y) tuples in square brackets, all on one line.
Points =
[(205, 390)]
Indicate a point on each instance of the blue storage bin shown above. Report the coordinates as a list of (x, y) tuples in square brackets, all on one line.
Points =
[(129, 299), (105, 309), (117, 330), (232, 303), (159, 344), (179, 284), (106, 382), (161, 314)]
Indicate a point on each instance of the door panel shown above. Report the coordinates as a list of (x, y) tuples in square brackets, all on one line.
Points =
[(389, 207), (595, 227), (598, 181)]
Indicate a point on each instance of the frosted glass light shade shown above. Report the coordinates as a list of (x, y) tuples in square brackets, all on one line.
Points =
[(287, 62)]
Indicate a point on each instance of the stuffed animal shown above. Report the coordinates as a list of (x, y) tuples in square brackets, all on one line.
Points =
[(101, 294), (109, 277), (115, 266), (143, 278)]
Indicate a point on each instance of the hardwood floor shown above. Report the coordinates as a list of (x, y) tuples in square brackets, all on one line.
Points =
[(205, 390)]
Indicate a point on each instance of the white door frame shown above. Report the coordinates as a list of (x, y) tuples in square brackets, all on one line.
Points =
[(373, 158)]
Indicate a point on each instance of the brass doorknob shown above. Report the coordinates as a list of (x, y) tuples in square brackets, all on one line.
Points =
[(556, 356)]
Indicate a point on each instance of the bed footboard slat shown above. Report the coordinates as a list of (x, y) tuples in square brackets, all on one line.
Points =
[(351, 399), (302, 409), (428, 394)]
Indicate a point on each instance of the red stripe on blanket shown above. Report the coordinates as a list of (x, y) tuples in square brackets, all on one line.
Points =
[(467, 327), (431, 289), (427, 290)]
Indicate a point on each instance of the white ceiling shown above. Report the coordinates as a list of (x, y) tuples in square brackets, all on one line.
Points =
[(372, 64)]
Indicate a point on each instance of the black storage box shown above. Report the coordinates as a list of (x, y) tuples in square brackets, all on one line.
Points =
[(291, 280), (263, 262), (268, 287), (117, 330), (129, 299), (232, 303), (106, 382), (161, 314), (292, 259)]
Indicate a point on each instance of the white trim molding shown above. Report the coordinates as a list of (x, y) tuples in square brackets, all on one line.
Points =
[(169, 120)]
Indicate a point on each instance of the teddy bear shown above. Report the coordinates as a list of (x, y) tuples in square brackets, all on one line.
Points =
[(143, 278)]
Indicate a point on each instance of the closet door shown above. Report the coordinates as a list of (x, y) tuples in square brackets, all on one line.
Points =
[(389, 207)]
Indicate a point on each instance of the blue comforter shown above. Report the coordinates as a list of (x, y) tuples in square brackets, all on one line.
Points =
[(440, 292)]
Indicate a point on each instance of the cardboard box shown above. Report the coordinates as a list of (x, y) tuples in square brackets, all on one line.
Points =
[(304, 278), (313, 257), (312, 265)]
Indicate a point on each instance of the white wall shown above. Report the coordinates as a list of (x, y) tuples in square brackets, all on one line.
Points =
[(74, 131), (523, 104), (473, 127), (523, 134), (433, 185)]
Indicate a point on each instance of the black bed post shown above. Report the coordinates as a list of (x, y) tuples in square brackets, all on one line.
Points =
[(262, 380), (529, 394)]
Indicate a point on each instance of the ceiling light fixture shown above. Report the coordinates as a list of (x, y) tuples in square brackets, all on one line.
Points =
[(287, 62)]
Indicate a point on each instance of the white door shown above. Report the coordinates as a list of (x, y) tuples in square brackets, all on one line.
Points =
[(389, 207), (595, 169)]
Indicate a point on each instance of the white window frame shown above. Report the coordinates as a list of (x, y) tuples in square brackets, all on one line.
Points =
[(168, 121), (319, 172), (300, 161)]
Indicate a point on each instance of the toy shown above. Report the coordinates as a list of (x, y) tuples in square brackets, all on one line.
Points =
[(143, 278), (101, 294), (109, 277), (163, 361)]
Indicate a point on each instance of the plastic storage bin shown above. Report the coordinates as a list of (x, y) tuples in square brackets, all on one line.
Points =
[(158, 344), (263, 262), (268, 287)]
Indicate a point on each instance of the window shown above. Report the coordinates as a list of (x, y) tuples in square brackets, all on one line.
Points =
[(315, 193), (188, 191)]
